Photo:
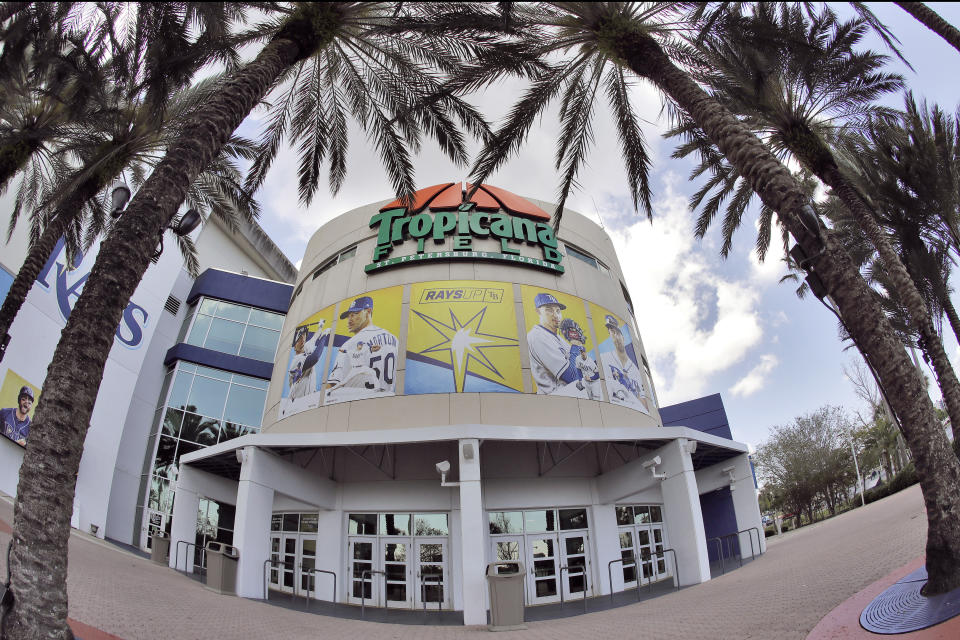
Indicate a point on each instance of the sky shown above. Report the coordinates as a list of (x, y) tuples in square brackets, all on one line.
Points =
[(709, 325)]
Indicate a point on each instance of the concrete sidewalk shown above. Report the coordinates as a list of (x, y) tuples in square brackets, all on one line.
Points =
[(803, 576)]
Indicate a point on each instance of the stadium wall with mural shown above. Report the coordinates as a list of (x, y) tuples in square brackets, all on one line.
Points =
[(459, 311)]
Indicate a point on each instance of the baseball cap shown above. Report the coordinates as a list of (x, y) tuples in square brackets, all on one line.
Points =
[(301, 331), (361, 303), (25, 391), (612, 322), (545, 298)]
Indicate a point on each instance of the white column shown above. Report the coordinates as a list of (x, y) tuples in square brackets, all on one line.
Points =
[(184, 523), (603, 521), (684, 520), (471, 535), (252, 526), (330, 544), (745, 506)]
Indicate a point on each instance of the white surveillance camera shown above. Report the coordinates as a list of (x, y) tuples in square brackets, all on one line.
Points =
[(443, 467), (691, 446), (729, 469), (652, 462)]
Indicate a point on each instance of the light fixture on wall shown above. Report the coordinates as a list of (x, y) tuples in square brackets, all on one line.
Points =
[(652, 465), (443, 467), (468, 451)]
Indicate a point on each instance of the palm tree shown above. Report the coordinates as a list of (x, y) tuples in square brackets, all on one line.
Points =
[(590, 42), (932, 20), (796, 81), (371, 74)]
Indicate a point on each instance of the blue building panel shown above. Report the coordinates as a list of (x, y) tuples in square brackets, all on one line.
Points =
[(219, 360), (235, 287), (703, 414)]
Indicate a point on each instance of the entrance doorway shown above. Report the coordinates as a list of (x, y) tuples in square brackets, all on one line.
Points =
[(398, 560), (553, 545), (293, 552), (642, 537)]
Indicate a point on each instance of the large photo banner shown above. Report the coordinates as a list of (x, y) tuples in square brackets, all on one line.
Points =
[(618, 357), (302, 383), (18, 398), (563, 360), (364, 357), (462, 337)]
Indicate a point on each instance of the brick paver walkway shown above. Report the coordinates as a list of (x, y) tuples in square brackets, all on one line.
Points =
[(803, 576)]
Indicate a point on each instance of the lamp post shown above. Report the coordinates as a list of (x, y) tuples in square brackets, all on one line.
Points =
[(856, 465)]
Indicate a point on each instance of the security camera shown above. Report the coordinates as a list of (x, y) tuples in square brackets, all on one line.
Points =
[(652, 462), (729, 469), (443, 467), (691, 446)]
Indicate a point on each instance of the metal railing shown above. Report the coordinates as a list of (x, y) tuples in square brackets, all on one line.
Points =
[(676, 568), (735, 536), (312, 573), (273, 563), (424, 581), (363, 591), (186, 557), (719, 552), (571, 571), (628, 560), (748, 531)]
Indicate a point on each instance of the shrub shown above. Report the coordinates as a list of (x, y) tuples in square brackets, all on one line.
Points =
[(899, 482)]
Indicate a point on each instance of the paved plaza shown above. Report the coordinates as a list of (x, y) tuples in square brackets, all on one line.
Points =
[(803, 576)]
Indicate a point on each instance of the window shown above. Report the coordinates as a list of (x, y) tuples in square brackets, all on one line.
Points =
[(346, 254), (582, 255), (233, 328), (537, 521), (204, 406)]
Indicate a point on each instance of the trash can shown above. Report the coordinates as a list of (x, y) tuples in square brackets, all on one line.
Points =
[(222, 568), (506, 580), (160, 548)]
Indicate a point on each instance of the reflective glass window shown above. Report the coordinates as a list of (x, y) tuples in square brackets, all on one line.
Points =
[(506, 522), (256, 383), (266, 319), (291, 521), (641, 515), (180, 390), (573, 519), (395, 524), (245, 405), (209, 306), (276, 522), (208, 432), (259, 343), (624, 515), (231, 430), (309, 523), (539, 521), (363, 523), (430, 524), (656, 514), (224, 336), (232, 311), (199, 331), (208, 396), (171, 422)]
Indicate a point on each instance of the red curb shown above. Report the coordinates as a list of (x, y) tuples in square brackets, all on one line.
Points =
[(843, 623), (86, 632)]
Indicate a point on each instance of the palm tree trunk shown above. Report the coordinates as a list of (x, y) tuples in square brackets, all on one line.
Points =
[(952, 316), (37, 256), (819, 160), (41, 525), (937, 467), (932, 20)]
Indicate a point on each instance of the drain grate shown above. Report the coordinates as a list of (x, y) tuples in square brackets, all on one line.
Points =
[(901, 608)]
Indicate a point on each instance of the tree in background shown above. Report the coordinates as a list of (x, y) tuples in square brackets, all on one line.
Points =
[(807, 463)]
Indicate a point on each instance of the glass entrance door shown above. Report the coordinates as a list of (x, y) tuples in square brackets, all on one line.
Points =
[(397, 571), (542, 558), (576, 578), (308, 561), (288, 559), (361, 560), (431, 573)]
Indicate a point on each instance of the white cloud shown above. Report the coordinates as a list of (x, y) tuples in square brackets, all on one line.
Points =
[(756, 379), (670, 280)]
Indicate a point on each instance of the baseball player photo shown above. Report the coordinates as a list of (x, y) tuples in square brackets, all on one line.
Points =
[(303, 371), (559, 362), (16, 420), (623, 376), (366, 364)]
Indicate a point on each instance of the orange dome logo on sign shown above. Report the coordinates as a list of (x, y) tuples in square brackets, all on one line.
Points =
[(448, 196)]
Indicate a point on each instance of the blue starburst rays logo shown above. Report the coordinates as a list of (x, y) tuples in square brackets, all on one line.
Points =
[(465, 343)]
